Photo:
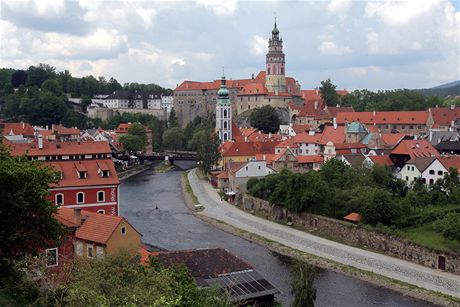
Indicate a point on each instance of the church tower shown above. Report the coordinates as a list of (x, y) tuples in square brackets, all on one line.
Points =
[(275, 80), (223, 113)]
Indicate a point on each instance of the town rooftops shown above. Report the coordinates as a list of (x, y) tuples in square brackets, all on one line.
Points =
[(123, 128), (60, 148), (387, 117), (421, 163), (215, 85), (91, 226), (94, 172), (415, 148), (383, 160), (21, 128), (451, 161), (445, 116), (392, 139)]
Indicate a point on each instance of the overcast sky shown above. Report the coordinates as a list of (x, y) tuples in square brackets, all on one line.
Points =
[(358, 44)]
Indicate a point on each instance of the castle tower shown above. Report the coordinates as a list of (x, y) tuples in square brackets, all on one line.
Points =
[(223, 113), (275, 80)]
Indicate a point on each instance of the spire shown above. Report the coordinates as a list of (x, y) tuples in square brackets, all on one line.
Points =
[(275, 30), (222, 93), (222, 79)]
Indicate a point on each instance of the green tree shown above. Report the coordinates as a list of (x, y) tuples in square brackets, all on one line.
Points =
[(172, 120), (380, 207), (132, 143), (18, 78), (85, 102), (207, 150), (137, 129), (449, 226), (302, 285), (173, 139), (265, 119), (36, 75), (52, 86), (27, 215), (328, 93)]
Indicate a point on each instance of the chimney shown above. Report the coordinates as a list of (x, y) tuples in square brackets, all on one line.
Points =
[(40, 141), (23, 125), (316, 105), (431, 135), (77, 215), (334, 122), (373, 113), (264, 157), (269, 135), (245, 138), (311, 132), (452, 107)]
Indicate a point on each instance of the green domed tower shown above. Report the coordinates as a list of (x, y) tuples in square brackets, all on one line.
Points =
[(223, 112)]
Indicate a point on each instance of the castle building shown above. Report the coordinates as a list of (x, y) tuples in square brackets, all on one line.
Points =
[(269, 87), (223, 113)]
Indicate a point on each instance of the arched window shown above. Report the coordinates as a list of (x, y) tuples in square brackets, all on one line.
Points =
[(225, 113), (225, 125), (268, 70), (225, 136), (100, 196), (59, 199), (80, 197), (101, 211)]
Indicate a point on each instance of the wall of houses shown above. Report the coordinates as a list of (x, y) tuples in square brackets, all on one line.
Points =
[(130, 241), (351, 233)]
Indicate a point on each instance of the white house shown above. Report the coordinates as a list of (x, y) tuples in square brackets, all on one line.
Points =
[(433, 172), (240, 173)]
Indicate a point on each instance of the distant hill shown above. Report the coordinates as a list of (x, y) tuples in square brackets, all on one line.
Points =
[(443, 90)]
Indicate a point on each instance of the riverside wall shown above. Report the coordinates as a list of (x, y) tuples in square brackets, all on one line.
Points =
[(356, 235)]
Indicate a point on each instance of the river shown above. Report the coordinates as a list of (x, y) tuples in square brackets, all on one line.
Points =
[(173, 226)]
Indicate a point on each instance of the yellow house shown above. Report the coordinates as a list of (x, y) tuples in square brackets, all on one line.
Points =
[(99, 234)]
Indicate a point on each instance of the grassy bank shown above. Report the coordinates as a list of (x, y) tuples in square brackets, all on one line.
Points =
[(188, 189), (426, 235)]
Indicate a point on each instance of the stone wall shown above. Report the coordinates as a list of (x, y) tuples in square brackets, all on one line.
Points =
[(351, 233)]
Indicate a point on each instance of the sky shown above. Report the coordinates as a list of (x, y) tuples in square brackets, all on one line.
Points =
[(358, 44)]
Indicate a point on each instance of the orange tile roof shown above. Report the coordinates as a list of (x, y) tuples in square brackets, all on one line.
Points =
[(239, 148), (95, 227), (415, 148), (383, 160), (24, 129), (353, 217), (223, 175), (310, 159), (305, 138), (123, 128), (451, 161), (253, 88), (70, 177), (445, 116), (281, 154), (59, 148), (391, 117), (335, 136), (236, 166), (392, 138), (298, 128), (61, 130), (265, 157)]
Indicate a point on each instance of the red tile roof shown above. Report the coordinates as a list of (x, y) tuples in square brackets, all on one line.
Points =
[(334, 135), (70, 178), (392, 138), (452, 161), (353, 217), (61, 130), (445, 116), (265, 157), (123, 128), (310, 159), (223, 175), (59, 148), (415, 148), (239, 148), (253, 88), (381, 118), (305, 138), (95, 227), (383, 160), (298, 128), (281, 154), (24, 129)]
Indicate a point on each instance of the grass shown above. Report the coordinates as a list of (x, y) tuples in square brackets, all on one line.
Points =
[(189, 188), (426, 235), (163, 168)]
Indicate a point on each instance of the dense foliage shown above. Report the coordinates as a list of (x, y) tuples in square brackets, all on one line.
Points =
[(302, 285), (337, 189), (265, 119), (328, 93), (113, 281)]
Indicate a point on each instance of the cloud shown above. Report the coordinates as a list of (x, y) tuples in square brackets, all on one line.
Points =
[(363, 71), (258, 45), (399, 12), (328, 47), (339, 7), (40, 8), (219, 7)]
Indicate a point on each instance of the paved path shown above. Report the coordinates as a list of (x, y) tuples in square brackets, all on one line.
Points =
[(408, 272)]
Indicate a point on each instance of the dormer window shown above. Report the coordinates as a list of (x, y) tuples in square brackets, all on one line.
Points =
[(81, 174), (105, 173)]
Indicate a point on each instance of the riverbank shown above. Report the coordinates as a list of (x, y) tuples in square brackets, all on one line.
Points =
[(135, 170), (373, 278)]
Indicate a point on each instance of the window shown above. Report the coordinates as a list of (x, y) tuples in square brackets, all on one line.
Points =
[(225, 113), (51, 257), (80, 197), (123, 230), (81, 175), (431, 181), (105, 173), (259, 167), (431, 172), (440, 173), (225, 125), (101, 211), (407, 178), (100, 196), (90, 250), (59, 199)]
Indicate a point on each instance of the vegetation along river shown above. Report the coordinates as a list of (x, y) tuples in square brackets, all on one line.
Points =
[(173, 226)]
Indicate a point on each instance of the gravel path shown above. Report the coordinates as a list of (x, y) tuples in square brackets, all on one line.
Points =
[(408, 272)]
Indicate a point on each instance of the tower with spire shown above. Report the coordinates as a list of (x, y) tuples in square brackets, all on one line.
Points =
[(275, 80), (223, 112)]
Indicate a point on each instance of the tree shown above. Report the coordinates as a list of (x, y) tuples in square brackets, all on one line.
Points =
[(36, 75), (207, 150), (265, 119), (138, 130), (52, 86), (27, 224), (302, 285), (172, 120), (131, 143), (85, 102), (18, 78), (449, 226), (328, 93), (173, 139)]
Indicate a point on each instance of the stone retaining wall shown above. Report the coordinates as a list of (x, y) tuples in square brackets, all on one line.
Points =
[(351, 233)]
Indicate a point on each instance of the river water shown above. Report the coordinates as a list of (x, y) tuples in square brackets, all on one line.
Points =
[(173, 226)]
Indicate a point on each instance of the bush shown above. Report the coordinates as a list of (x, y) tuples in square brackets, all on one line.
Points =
[(449, 226)]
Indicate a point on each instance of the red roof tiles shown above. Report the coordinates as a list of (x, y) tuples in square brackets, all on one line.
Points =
[(59, 148), (393, 117), (415, 148), (24, 129), (445, 116)]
